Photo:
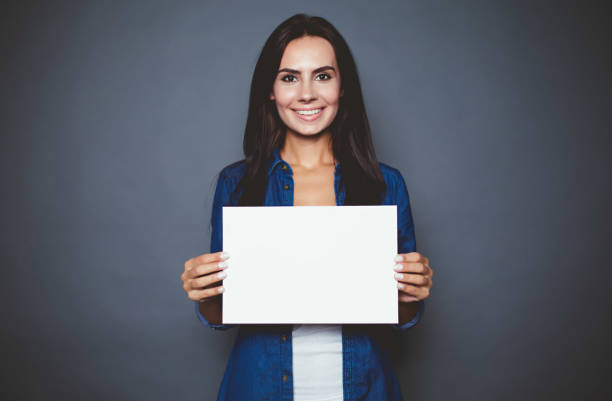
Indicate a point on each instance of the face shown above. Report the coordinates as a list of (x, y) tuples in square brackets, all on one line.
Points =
[(307, 87)]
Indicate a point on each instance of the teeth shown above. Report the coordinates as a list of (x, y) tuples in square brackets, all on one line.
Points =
[(308, 112)]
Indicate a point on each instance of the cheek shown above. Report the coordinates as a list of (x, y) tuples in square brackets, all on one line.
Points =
[(331, 95), (283, 96)]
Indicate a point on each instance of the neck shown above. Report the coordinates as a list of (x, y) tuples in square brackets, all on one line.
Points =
[(308, 151)]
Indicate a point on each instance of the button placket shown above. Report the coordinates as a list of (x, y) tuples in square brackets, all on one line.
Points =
[(286, 179)]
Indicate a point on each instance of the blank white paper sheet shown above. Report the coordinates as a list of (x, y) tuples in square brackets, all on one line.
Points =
[(310, 264)]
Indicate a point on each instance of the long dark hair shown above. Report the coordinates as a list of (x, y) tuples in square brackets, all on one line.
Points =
[(350, 131)]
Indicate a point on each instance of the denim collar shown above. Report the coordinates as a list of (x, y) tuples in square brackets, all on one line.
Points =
[(275, 160)]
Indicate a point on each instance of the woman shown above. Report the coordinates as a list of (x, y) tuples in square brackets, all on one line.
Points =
[(307, 142)]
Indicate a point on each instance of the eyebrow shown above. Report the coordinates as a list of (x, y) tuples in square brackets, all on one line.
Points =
[(320, 69)]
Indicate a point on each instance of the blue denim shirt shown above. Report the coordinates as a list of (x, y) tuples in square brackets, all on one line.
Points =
[(260, 364)]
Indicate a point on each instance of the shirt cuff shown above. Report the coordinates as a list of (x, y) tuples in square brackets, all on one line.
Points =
[(209, 324), (415, 320)]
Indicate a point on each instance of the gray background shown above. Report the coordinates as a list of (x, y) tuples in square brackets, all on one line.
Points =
[(116, 118)]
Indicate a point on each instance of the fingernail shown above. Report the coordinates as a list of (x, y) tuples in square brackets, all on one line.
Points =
[(224, 255), (397, 267), (222, 275), (398, 258), (222, 265), (398, 276), (400, 285), (221, 289)]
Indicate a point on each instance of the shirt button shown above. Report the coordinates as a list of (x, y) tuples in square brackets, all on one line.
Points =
[(284, 167), (286, 186), (284, 378), (284, 337)]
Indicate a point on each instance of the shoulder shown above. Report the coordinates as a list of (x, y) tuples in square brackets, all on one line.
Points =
[(234, 170), (393, 177), (232, 173), (396, 192), (227, 182)]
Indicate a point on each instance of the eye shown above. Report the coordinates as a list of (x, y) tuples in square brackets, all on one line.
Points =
[(292, 78), (324, 75)]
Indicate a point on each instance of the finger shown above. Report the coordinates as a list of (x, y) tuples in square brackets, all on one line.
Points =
[(411, 267), (410, 257), (406, 298), (201, 270), (208, 268), (421, 292), (207, 280), (199, 295), (205, 258), (416, 279)]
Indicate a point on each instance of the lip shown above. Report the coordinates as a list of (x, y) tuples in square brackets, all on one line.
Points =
[(311, 117), (308, 109)]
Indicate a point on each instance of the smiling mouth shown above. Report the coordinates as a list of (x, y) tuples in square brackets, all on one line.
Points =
[(309, 115), (308, 112)]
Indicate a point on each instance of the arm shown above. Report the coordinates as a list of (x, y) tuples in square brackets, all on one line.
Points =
[(409, 313), (210, 311)]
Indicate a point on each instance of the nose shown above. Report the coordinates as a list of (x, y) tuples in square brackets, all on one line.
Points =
[(307, 92)]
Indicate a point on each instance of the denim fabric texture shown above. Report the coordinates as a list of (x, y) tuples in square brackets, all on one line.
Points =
[(260, 364)]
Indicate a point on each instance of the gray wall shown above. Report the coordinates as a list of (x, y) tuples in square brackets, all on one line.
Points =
[(117, 116)]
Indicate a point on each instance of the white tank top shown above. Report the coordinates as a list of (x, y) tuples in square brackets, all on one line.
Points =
[(317, 362)]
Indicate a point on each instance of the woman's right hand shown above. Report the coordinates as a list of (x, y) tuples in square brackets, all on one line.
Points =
[(201, 275)]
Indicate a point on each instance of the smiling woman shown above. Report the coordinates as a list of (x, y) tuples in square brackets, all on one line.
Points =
[(307, 141)]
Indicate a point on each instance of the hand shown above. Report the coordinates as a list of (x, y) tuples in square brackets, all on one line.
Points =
[(414, 276), (201, 272)]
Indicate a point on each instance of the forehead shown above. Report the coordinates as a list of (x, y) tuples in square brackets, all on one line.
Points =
[(308, 52)]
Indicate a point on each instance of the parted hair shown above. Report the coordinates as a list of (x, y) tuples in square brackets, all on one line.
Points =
[(350, 131)]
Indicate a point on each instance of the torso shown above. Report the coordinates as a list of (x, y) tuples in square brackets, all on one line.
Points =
[(317, 349)]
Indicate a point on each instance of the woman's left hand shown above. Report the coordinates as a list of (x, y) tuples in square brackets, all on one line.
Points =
[(414, 276)]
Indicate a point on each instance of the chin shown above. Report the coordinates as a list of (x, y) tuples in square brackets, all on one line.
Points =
[(308, 132)]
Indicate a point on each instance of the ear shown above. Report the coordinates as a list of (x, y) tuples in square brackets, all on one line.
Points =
[(271, 96), (342, 92)]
